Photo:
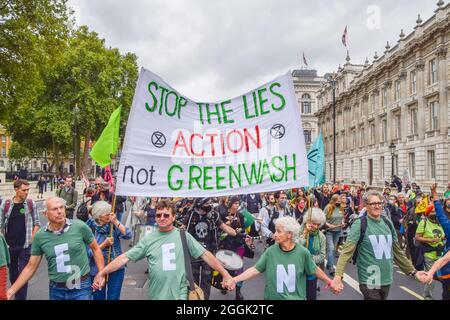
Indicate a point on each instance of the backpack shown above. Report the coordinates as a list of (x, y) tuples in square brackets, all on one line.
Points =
[(362, 233), (83, 211), (8, 205)]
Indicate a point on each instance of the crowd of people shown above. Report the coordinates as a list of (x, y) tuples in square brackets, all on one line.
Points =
[(308, 234)]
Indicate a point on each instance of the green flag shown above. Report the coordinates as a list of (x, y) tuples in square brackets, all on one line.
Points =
[(108, 143), (248, 218), (316, 162)]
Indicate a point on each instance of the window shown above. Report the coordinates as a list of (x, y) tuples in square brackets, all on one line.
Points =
[(432, 78), (398, 128), (355, 140), (372, 133), (413, 81), (412, 164), (4, 139), (2, 163), (352, 167), (383, 130), (434, 115), (360, 169), (396, 164), (385, 96), (381, 167), (306, 107), (361, 141), (307, 134), (397, 90), (372, 104), (414, 121), (3, 152), (431, 165)]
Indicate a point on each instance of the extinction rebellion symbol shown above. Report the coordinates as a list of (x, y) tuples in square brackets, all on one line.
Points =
[(158, 139), (277, 131)]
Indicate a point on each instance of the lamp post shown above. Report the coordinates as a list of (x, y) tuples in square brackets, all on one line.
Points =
[(392, 148), (332, 81)]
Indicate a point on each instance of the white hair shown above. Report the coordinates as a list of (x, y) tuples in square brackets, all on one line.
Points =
[(316, 216), (99, 208), (53, 198), (290, 225)]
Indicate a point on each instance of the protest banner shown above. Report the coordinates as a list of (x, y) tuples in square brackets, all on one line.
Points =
[(178, 147)]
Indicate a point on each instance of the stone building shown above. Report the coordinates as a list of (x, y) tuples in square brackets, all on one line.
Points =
[(394, 113), (306, 86)]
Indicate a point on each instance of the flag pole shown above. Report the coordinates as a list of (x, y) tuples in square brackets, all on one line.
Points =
[(111, 226)]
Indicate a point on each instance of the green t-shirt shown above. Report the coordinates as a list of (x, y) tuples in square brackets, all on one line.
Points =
[(336, 218), (375, 256), (66, 253), (4, 251), (447, 194), (165, 257), (431, 230), (286, 272)]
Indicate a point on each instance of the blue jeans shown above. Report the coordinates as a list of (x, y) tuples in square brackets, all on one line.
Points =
[(332, 240), (113, 288), (19, 259), (84, 293)]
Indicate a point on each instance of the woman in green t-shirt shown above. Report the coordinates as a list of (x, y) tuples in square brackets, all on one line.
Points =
[(334, 224)]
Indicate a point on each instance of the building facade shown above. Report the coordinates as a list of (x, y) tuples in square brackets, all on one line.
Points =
[(5, 143), (306, 86), (393, 114)]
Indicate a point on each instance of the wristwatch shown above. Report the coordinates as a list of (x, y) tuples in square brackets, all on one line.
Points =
[(413, 274)]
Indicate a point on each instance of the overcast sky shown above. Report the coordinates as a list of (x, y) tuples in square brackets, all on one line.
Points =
[(211, 50)]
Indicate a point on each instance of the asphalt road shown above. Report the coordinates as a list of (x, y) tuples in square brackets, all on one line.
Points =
[(135, 283)]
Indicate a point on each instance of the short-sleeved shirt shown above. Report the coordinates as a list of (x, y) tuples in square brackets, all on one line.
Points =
[(375, 254), (336, 218), (286, 272), (4, 252), (431, 230), (166, 268), (65, 252), (15, 237)]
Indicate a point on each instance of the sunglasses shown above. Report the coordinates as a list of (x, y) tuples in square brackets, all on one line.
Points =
[(166, 215)]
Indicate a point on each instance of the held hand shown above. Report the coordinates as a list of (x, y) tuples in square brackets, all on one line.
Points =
[(336, 285), (229, 284), (113, 218), (421, 276), (99, 282)]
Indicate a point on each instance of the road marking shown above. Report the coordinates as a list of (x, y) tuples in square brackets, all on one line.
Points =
[(400, 272), (411, 292)]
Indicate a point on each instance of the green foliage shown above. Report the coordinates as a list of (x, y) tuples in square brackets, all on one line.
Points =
[(47, 68)]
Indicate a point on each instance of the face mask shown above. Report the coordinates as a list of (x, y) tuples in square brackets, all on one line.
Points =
[(207, 208), (391, 201), (301, 205), (282, 203), (272, 202)]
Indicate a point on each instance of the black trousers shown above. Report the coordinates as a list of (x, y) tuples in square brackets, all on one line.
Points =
[(445, 289), (19, 259), (374, 294), (202, 273)]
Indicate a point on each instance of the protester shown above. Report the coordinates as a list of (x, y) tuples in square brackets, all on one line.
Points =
[(63, 243), (70, 196), (438, 265), (286, 265), (4, 261), (376, 247), (322, 196), (150, 211), (164, 252), (334, 224), (41, 185), (280, 210), (109, 242), (19, 222), (314, 240), (203, 223), (431, 237)]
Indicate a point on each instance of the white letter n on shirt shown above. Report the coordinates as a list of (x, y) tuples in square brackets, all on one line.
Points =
[(285, 278), (168, 257)]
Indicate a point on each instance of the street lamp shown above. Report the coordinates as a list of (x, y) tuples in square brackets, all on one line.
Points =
[(332, 81), (392, 148)]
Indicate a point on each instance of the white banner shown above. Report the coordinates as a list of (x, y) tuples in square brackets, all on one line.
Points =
[(176, 147)]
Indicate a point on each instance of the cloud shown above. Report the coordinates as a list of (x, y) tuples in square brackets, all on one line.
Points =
[(214, 50)]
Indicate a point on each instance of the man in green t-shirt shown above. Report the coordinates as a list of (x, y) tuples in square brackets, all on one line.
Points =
[(376, 252), (431, 237), (163, 250), (63, 242), (286, 264)]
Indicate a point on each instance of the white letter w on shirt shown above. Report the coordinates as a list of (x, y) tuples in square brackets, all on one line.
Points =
[(285, 278), (381, 245)]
